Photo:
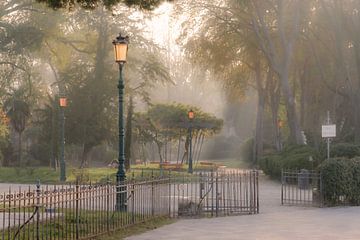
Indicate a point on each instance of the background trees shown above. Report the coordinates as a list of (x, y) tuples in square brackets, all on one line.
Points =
[(299, 56), (166, 126), (297, 59), (47, 54)]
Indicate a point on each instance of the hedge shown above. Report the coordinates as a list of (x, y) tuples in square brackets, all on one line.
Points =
[(336, 179), (341, 180), (349, 150), (293, 157)]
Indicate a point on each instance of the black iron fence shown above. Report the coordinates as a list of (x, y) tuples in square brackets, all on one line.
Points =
[(84, 211), (301, 187)]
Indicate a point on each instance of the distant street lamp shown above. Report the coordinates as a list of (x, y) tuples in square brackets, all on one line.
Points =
[(191, 117), (63, 105), (120, 48)]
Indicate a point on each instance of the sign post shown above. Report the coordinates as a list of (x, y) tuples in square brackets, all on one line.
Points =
[(328, 131)]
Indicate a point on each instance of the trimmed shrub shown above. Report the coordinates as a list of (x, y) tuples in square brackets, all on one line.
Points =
[(293, 157), (348, 150), (271, 165), (337, 176), (355, 181)]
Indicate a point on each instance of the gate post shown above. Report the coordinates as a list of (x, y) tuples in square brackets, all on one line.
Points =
[(37, 209), (212, 192), (252, 205), (216, 195), (282, 187), (257, 190), (322, 200), (152, 193), (169, 189), (77, 217)]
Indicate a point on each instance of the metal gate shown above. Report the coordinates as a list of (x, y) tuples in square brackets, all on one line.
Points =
[(215, 194), (301, 187)]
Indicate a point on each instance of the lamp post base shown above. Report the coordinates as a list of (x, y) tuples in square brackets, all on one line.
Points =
[(121, 199)]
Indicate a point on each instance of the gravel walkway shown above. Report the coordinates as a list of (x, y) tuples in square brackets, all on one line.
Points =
[(274, 222)]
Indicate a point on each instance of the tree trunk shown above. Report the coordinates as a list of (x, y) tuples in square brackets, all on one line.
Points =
[(186, 152), (158, 144), (293, 122), (259, 130), (200, 148), (178, 150), (128, 134), (274, 99), (85, 156), (302, 101)]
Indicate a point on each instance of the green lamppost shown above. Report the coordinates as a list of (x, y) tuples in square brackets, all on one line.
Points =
[(120, 47), (191, 116), (63, 104)]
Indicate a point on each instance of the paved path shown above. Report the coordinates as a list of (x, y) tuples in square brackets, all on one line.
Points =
[(274, 222)]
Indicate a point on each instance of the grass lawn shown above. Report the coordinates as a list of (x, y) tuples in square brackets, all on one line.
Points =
[(48, 175), (94, 175), (86, 175), (89, 223), (136, 229), (233, 163)]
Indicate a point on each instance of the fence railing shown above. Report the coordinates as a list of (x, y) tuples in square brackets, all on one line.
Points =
[(218, 193), (301, 187), (83, 211)]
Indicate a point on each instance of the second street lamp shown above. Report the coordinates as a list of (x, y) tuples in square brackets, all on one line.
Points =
[(63, 104), (120, 48), (191, 116)]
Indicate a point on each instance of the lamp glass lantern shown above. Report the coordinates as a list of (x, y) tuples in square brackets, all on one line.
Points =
[(120, 48), (191, 114), (63, 102)]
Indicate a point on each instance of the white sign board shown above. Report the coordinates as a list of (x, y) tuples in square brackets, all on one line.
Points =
[(328, 131)]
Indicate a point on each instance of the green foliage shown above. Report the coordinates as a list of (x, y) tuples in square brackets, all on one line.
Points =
[(171, 121), (348, 150), (337, 175), (89, 113), (175, 116), (40, 153), (341, 180), (18, 111), (47, 120), (355, 181), (292, 157)]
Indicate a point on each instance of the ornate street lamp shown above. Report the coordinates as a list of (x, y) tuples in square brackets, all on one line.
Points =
[(63, 105), (191, 117), (120, 50)]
